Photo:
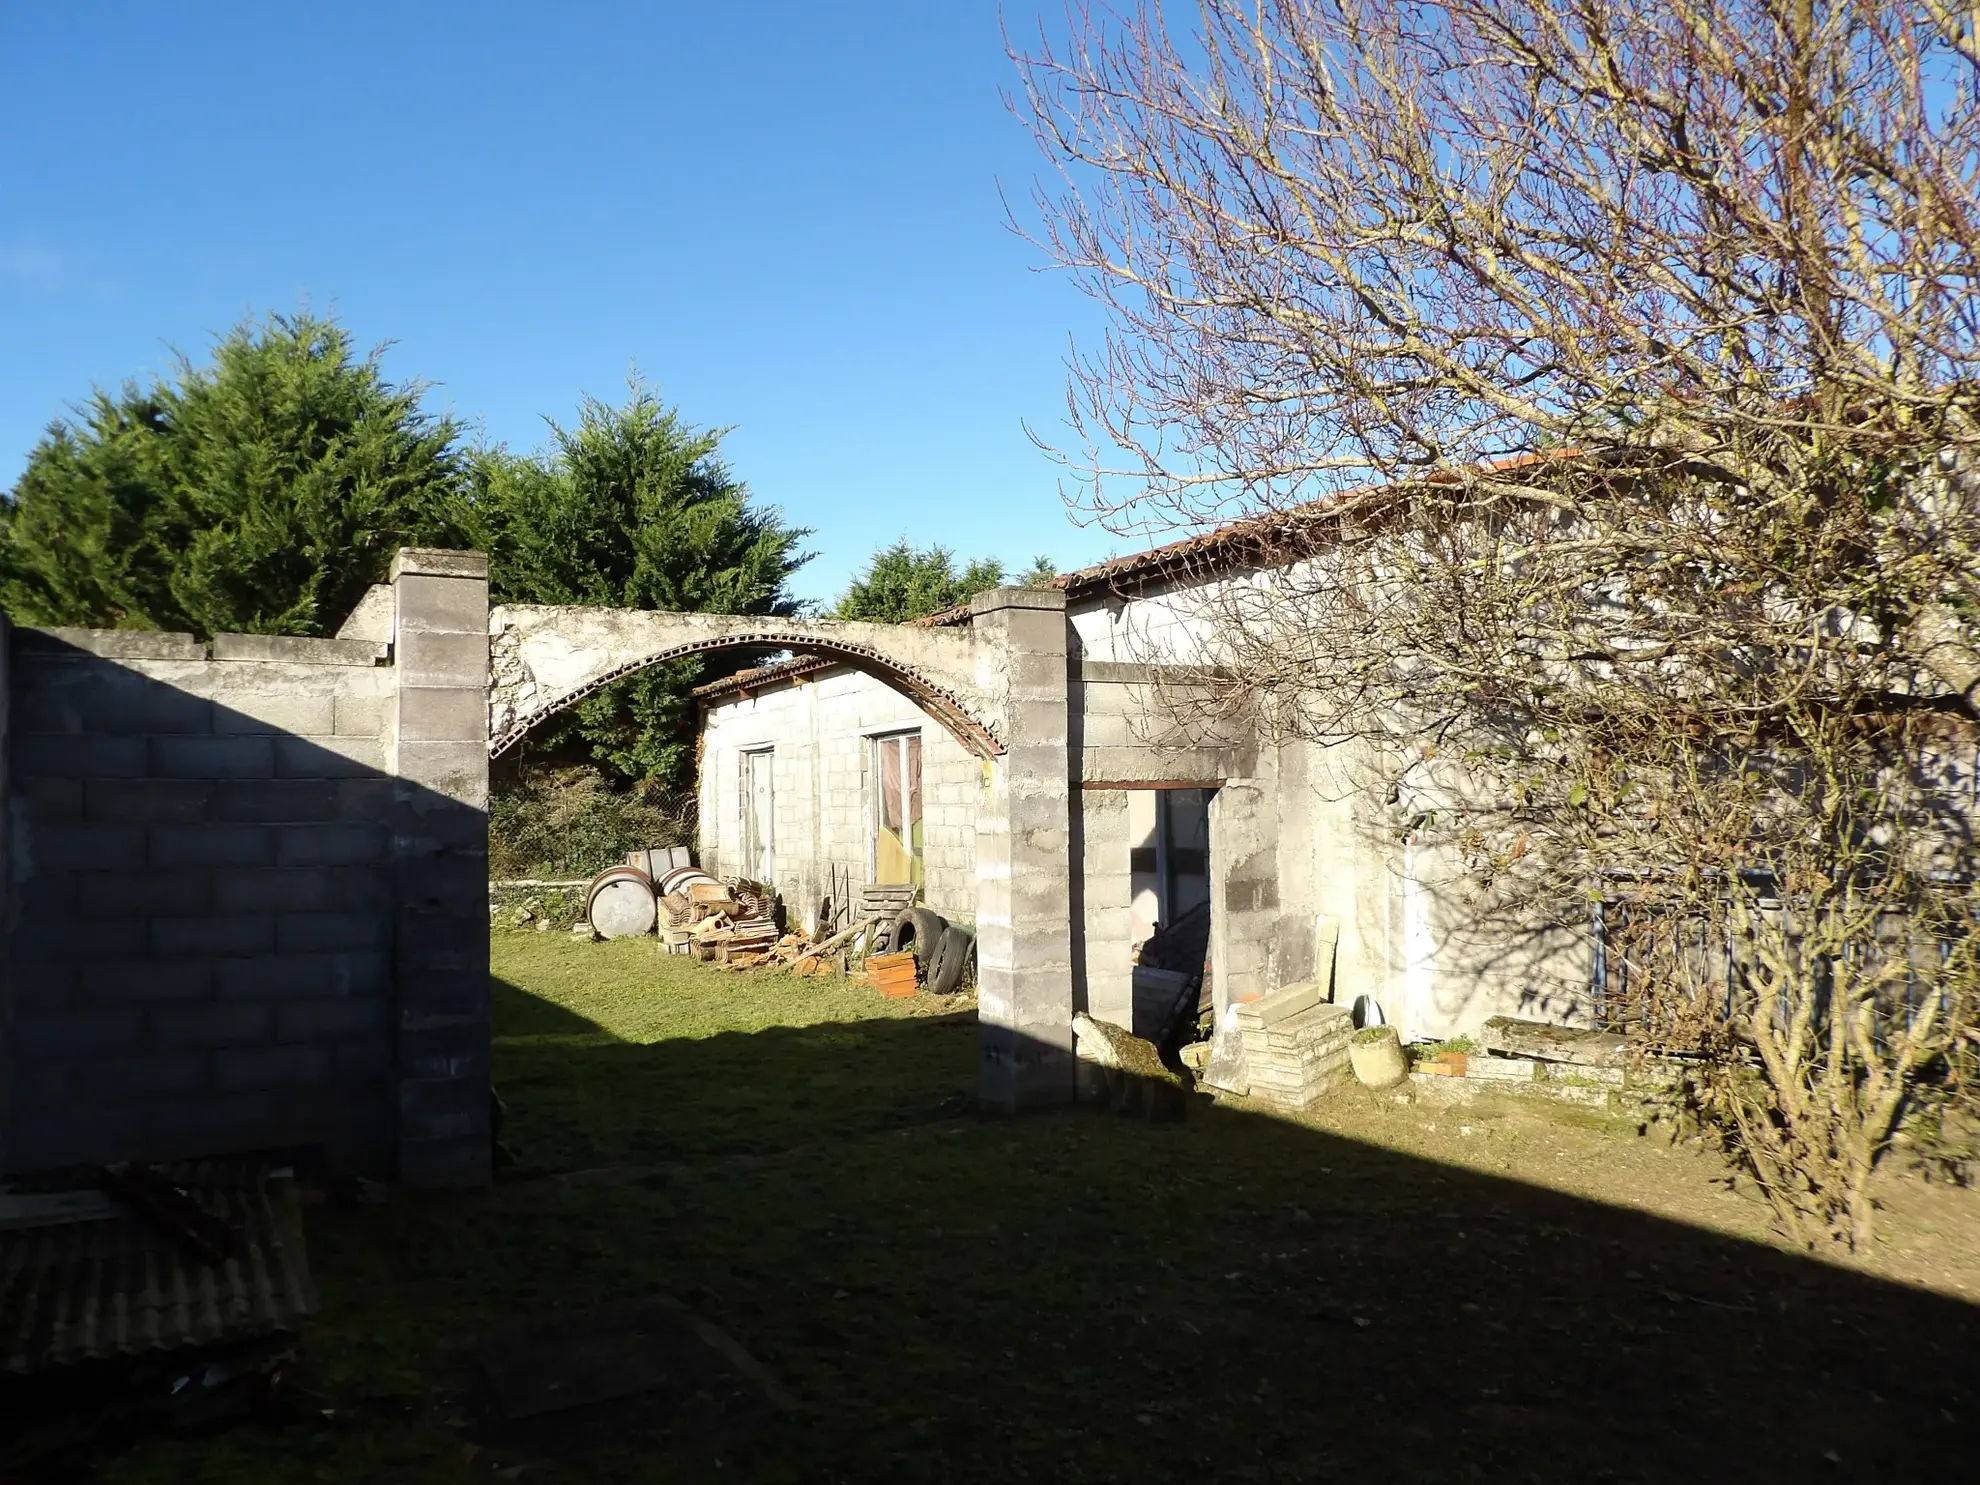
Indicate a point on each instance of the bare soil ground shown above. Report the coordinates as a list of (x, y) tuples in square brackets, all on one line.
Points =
[(1389, 1291)]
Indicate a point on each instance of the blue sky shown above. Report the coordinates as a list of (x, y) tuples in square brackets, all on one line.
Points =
[(785, 215)]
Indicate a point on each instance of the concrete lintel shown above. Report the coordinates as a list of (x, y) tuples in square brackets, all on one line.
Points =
[(992, 599), (1106, 785), (438, 562)]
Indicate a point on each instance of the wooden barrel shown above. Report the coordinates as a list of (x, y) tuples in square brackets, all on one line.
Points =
[(619, 902)]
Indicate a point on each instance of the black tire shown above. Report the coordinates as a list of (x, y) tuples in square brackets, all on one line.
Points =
[(951, 960), (920, 929)]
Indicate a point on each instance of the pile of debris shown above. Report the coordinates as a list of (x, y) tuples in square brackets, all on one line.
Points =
[(739, 924), (728, 922)]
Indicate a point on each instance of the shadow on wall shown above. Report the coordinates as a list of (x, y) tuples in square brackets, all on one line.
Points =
[(235, 928), (1083, 1296)]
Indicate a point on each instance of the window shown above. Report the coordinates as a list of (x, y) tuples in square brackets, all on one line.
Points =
[(758, 816), (897, 808)]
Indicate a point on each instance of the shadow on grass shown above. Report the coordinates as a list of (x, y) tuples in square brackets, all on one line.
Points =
[(579, 1097), (514, 1012), (1078, 1296)]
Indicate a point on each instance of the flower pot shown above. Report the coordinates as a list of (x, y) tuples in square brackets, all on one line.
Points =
[(1376, 1055)]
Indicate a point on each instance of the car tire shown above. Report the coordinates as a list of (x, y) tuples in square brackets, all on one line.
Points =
[(951, 960), (920, 929)]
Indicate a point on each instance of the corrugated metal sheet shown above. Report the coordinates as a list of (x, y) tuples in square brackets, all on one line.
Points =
[(89, 1291)]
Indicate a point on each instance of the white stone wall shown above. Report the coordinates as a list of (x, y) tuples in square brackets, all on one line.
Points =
[(1410, 934), (821, 728)]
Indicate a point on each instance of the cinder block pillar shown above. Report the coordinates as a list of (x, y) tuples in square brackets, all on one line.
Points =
[(1024, 964), (437, 751), (1107, 950), (1244, 890)]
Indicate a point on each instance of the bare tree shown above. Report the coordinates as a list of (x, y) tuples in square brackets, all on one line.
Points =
[(1598, 379)]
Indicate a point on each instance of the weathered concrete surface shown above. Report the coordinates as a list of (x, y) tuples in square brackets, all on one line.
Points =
[(1023, 849), (545, 657), (437, 754), (201, 963)]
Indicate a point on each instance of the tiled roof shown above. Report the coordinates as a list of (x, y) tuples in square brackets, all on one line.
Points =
[(1204, 555)]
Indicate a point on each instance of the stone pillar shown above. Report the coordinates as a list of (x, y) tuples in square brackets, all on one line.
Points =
[(1024, 965), (1105, 928), (437, 753), (1244, 891)]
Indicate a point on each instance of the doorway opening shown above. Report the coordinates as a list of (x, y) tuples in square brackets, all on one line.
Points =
[(759, 814), (1169, 883), (896, 807)]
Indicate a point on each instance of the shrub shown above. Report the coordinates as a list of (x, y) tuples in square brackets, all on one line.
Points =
[(570, 822)]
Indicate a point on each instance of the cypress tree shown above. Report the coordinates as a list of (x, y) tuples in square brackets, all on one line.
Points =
[(259, 494)]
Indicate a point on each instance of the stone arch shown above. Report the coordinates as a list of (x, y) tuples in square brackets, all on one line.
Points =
[(998, 681), (543, 659)]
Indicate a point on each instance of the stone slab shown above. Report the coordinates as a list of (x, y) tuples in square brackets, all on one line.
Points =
[(1270, 1009), (1541, 1039), (1502, 1069), (113, 644), (294, 650)]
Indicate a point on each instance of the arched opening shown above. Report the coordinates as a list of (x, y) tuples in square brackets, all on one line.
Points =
[(936, 701), (998, 693)]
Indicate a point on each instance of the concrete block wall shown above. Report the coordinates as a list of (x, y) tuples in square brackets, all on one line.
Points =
[(1106, 983), (6, 883), (201, 961), (228, 903)]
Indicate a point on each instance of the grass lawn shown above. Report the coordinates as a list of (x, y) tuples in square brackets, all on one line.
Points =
[(1388, 1293)]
